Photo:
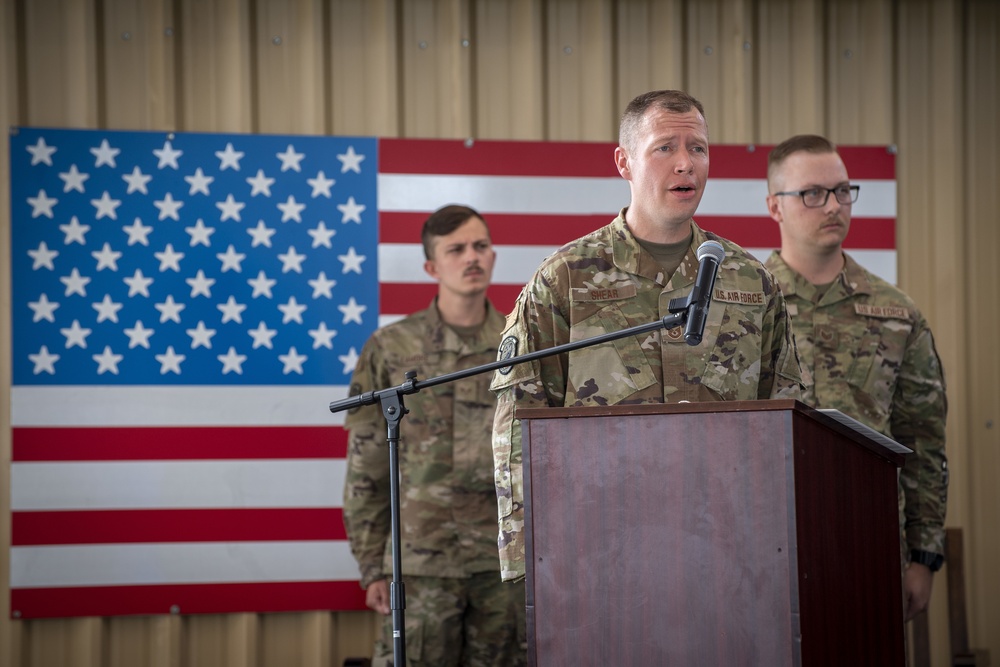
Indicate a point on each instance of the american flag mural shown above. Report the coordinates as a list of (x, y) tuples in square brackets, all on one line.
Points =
[(185, 307)]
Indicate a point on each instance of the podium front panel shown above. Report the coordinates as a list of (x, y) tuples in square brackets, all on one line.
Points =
[(674, 539)]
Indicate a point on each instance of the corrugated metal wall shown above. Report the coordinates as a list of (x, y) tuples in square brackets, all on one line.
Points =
[(918, 74)]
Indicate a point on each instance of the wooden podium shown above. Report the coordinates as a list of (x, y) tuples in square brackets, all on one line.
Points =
[(740, 533)]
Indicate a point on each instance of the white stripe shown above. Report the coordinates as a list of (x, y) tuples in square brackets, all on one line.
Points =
[(181, 563), (746, 197), (403, 263), (502, 194), (516, 268), (384, 320), (164, 484), (175, 406), (550, 195)]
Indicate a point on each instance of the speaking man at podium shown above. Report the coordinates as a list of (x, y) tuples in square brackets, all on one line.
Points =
[(623, 275)]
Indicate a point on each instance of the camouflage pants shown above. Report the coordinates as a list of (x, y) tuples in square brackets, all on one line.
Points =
[(473, 622)]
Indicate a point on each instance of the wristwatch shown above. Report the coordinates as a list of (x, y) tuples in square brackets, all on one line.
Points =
[(932, 560)]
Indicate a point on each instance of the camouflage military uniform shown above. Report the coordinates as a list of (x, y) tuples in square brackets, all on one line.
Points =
[(871, 356), (606, 282), (447, 499)]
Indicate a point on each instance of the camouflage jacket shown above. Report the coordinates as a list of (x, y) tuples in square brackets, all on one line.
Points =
[(606, 282), (447, 499), (871, 355)]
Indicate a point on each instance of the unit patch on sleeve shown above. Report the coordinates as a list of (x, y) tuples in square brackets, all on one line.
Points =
[(508, 350)]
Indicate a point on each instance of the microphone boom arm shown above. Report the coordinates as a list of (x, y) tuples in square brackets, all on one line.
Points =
[(677, 317), (391, 401)]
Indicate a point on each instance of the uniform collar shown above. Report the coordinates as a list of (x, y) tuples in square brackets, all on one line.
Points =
[(630, 257), (852, 280), (443, 337)]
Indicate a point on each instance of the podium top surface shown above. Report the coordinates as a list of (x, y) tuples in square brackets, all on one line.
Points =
[(833, 419)]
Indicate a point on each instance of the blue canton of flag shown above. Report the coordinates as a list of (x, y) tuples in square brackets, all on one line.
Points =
[(191, 259)]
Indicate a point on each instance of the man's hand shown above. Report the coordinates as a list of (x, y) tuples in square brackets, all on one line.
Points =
[(917, 582), (377, 597)]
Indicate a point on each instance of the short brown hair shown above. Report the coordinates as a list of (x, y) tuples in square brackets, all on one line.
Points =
[(444, 221), (800, 143), (674, 101)]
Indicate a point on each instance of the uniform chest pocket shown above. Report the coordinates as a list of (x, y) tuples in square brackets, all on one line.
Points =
[(732, 368), (609, 373)]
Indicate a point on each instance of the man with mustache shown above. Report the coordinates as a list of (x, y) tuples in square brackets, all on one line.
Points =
[(458, 611), (625, 274), (867, 348)]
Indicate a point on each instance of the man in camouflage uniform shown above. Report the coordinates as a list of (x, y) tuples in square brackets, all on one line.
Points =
[(867, 347), (458, 611), (623, 275)]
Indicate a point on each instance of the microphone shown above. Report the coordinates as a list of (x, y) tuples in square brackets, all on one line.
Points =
[(710, 254)]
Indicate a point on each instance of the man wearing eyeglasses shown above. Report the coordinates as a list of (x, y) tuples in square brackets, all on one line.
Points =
[(869, 351)]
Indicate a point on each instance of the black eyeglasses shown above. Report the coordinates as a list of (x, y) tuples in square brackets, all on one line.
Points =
[(816, 197)]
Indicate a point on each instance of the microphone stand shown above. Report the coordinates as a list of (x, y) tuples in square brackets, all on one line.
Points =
[(393, 409)]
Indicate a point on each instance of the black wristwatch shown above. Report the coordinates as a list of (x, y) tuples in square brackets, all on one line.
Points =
[(932, 560)]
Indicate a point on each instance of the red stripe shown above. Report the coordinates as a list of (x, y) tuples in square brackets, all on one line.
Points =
[(750, 161), (747, 231), (406, 298), (505, 229), (187, 599), (537, 158), (760, 232), (184, 525), (496, 158), (155, 443)]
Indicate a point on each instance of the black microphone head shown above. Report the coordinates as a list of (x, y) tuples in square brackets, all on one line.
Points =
[(712, 249)]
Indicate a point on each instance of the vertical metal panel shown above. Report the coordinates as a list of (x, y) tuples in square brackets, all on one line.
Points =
[(859, 69), (241, 639), (791, 79), (214, 640), (152, 641), (60, 51), (720, 51), (216, 87), (289, 77), (363, 90), (286, 638), (508, 74), (354, 634), (981, 167), (649, 47), (931, 221), (578, 57), (76, 642), (10, 41), (436, 55), (138, 55)]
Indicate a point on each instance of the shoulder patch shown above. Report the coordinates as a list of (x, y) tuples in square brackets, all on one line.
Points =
[(738, 296), (507, 350), (590, 294), (883, 312)]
